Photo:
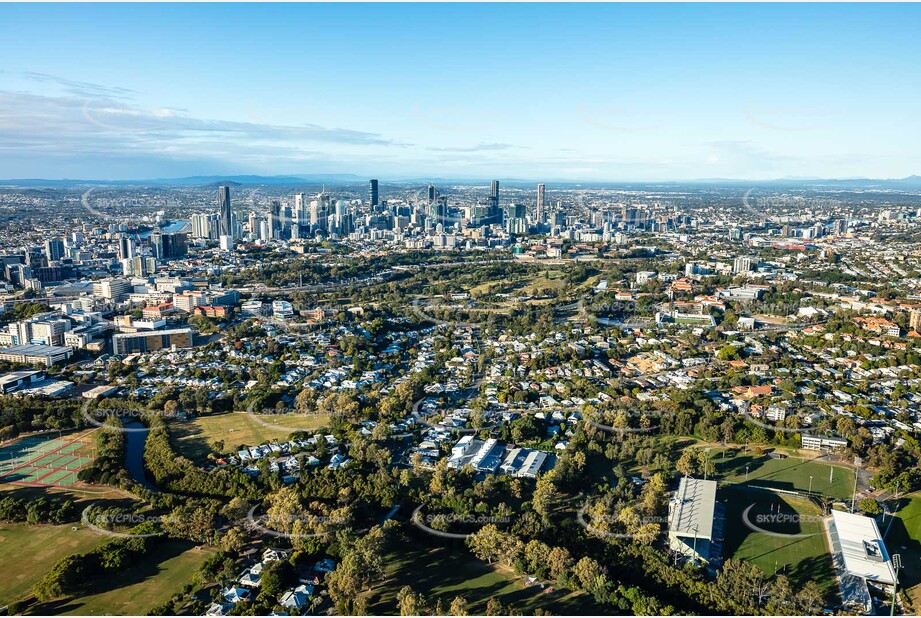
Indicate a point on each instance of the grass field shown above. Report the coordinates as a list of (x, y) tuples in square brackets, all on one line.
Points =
[(34, 550), (444, 573), (541, 282), (790, 473), (903, 537), (802, 557), (196, 438), (136, 590)]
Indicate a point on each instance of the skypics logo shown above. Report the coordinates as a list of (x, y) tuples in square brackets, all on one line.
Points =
[(789, 120), (102, 522), (418, 419), (416, 308), (624, 421), (616, 119), (779, 519), (422, 522), (122, 414), (644, 528), (755, 210), (286, 525), (259, 415)]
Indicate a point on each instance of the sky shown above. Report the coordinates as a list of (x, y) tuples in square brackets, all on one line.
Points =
[(599, 92)]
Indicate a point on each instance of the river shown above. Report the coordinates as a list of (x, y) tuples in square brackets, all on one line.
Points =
[(134, 453)]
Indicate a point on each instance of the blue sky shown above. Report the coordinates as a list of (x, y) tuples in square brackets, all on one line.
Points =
[(534, 91)]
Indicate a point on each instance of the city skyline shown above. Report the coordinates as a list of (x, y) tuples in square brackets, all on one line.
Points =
[(541, 92)]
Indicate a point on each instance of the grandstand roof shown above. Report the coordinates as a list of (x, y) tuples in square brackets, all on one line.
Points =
[(863, 548), (691, 509)]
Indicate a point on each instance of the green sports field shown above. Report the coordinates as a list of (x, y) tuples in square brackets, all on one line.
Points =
[(790, 473), (800, 551), (137, 589), (903, 537), (34, 550), (195, 439)]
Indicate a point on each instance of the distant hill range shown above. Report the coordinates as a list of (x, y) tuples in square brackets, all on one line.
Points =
[(192, 181), (911, 183)]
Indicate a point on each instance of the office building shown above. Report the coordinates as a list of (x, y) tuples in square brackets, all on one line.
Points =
[(319, 214), (812, 442), (256, 226), (373, 193), (300, 216), (282, 309), (150, 341), (114, 290), (274, 219), (18, 274), (36, 354)]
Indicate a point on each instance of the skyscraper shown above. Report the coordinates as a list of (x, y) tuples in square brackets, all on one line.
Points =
[(540, 203), (300, 215), (373, 193), (493, 215), (206, 225), (167, 246), (433, 194), (125, 248), (226, 220), (275, 219), (319, 213)]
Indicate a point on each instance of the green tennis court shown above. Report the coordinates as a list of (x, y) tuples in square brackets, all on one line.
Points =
[(43, 461), (46, 460)]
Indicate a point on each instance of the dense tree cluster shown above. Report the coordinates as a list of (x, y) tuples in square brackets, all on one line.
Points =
[(77, 573), (37, 511)]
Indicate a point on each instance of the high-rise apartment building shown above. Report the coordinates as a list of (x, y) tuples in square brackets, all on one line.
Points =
[(539, 214), (54, 249), (226, 216)]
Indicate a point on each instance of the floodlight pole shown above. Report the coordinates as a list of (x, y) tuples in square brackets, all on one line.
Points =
[(857, 462), (897, 564), (810, 485)]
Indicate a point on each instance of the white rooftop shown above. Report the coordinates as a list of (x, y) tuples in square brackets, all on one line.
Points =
[(690, 512), (862, 547)]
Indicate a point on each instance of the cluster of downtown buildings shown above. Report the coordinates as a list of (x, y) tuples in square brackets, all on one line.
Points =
[(323, 215)]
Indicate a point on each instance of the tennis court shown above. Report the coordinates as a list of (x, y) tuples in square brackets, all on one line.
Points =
[(45, 461)]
